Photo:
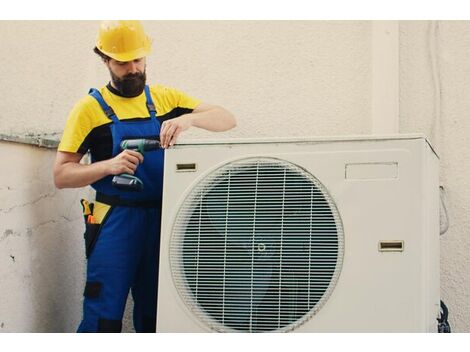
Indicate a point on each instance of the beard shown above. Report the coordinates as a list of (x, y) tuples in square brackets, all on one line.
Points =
[(131, 85)]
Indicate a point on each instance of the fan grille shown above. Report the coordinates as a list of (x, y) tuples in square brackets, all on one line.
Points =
[(257, 246)]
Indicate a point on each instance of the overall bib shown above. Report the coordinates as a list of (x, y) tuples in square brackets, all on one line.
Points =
[(123, 249)]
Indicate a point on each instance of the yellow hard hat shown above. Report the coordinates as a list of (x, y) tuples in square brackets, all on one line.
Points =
[(123, 40)]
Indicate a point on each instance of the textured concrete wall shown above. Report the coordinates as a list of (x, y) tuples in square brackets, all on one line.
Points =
[(279, 78), (435, 99), (41, 255)]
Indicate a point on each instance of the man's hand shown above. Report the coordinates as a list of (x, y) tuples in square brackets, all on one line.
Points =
[(206, 116), (171, 129), (125, 162), (69, 173)]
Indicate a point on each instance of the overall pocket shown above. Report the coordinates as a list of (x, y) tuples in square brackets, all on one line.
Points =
[(91, 236), (100, 213)]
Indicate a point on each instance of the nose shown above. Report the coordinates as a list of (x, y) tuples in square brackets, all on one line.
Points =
[(132, 67)]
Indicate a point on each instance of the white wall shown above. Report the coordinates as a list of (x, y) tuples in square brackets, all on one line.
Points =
[(280, 78), (439, 104)]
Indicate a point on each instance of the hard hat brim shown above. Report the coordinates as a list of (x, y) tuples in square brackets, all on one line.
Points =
[(129, 56)]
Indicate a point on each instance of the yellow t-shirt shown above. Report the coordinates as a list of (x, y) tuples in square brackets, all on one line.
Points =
[(87, 126)]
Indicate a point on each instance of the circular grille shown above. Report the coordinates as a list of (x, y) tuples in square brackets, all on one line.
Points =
[(257, 246)]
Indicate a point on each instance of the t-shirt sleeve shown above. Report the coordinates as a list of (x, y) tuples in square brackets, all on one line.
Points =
[(185, 101), (179, 99), (77, 128)]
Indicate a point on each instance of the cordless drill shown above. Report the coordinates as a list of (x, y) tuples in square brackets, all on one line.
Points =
[(128, 182)]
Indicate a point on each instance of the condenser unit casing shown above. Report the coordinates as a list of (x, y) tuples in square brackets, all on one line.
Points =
[(303, 235)]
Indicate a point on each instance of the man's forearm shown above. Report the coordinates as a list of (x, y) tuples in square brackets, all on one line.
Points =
[(74, 175), (216, 119)]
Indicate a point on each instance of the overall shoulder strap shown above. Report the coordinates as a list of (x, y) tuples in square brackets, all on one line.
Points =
[(150, 105), (95, 93)]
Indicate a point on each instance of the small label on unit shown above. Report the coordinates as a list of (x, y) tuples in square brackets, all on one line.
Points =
[(187, 167), (391, 246), (371, 171)]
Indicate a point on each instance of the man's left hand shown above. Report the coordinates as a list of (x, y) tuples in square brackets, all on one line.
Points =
[(171, 129)]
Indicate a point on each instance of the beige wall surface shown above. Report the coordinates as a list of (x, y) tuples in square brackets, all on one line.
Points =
[(280, 78), (435, 99)]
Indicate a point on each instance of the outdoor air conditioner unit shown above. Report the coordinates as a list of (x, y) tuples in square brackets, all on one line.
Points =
[(302, 235)]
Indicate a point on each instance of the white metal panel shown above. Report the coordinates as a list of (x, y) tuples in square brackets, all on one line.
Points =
[(376, 291)]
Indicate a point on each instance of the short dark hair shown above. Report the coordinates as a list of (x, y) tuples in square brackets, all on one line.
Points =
[(104, 57)]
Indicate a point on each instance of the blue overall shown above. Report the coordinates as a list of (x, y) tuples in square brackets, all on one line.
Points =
[(125, 255)]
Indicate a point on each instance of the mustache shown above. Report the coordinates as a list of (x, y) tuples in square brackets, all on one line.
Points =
[(133, 76)]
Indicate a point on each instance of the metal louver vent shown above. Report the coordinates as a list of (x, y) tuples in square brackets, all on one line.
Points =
[(257, 246)]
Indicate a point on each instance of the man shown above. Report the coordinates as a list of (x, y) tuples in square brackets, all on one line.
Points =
[(123, 227)]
